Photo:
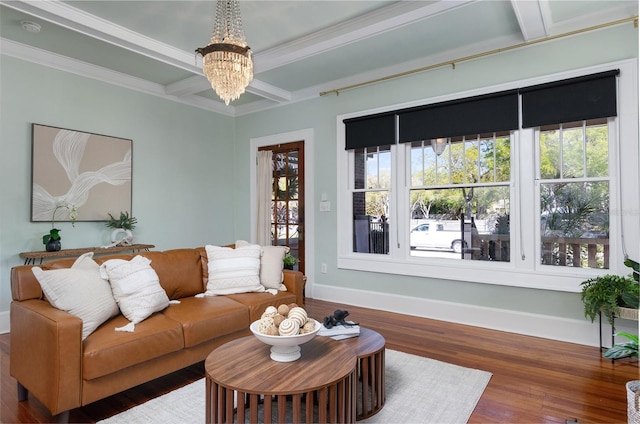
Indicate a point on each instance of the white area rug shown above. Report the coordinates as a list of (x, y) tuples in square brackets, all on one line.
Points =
[(419, 390)]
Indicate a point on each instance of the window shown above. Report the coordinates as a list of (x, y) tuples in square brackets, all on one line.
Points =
[(574, 184), (462, 186), (372, 171), (539, 204)]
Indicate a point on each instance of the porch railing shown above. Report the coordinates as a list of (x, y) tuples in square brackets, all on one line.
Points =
[(576, 252)]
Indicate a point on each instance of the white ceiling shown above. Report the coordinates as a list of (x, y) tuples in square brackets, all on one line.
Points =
[(301, 48)]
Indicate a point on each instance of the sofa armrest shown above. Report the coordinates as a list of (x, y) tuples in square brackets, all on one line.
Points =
[(295, 282), (46, 353)]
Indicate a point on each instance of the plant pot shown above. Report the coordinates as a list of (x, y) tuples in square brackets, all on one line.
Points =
[(121, 237), (628, 313), (633, 397), (53, 245)]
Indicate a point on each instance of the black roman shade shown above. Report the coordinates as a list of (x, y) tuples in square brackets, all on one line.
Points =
[(472, 115), (371, 130), (575, 99)]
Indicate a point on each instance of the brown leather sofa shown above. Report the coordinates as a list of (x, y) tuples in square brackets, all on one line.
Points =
[(49, 359)]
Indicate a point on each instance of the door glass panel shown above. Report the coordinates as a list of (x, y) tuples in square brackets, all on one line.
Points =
[(287, 218)]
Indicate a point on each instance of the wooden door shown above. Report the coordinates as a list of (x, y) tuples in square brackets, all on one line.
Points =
[(287, 206)]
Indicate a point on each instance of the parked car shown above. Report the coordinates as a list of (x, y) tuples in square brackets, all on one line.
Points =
[(433, 236)]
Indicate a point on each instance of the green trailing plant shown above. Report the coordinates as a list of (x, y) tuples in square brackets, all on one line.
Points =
[(604, 294), (124, 221), (624, 349)]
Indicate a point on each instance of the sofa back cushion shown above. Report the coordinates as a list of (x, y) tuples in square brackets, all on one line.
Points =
[(179, 271)]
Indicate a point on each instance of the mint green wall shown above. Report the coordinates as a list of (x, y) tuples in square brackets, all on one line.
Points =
[(180, 162), (320, 114), (187, 192)]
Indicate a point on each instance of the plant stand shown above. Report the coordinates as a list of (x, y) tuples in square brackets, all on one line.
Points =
[(625, 313)]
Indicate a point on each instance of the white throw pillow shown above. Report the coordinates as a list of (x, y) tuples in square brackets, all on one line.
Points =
[(271, 266), (80, 291), (135, 286), (233, 270)]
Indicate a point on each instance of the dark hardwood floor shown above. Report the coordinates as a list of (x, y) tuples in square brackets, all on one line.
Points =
[(534, 380)]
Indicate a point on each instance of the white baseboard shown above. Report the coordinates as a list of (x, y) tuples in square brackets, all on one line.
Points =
[(548, 327), (4, 322)]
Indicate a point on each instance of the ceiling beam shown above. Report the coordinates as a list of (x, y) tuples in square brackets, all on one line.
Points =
[(371, 24), (66, 16), (533, 17)]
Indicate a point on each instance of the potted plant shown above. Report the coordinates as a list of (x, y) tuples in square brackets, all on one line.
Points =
[(623, 349), (289, 261), (122, 225), (609, 293), (52, 240)]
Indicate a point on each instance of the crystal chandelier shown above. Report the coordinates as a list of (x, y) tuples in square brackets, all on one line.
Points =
[(227, 60)]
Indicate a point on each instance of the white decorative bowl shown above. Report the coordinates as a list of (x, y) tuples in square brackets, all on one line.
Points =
[(285, 348)]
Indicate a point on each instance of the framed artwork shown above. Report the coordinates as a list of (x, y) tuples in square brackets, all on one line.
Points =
[(75, 173)]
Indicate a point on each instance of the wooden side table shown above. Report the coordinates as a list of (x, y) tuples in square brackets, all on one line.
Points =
[(320, 386), (30, 257), (369, 348)]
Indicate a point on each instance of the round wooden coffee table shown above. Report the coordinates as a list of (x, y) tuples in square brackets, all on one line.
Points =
[(243, 382), (369, 348)]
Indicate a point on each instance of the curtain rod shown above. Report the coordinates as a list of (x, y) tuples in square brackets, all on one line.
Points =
[(452, 63)]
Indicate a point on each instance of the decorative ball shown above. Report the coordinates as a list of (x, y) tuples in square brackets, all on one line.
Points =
[(272, 331), (271, 311), (278, 319), (289, 327), (308, 327), (264, 325), (298, 314), (283, 310)]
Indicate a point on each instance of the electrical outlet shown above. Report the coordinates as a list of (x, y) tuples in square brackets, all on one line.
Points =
[(323, 268)]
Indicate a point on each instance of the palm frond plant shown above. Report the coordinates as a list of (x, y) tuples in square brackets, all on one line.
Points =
[(124, 221)]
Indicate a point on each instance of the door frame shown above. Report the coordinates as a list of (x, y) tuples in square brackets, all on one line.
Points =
[(306, 136)]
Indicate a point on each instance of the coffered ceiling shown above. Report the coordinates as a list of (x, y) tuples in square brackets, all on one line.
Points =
[(301, 48)]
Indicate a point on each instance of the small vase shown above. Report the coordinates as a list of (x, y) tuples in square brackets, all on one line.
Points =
[(121, 237), (53, 245)]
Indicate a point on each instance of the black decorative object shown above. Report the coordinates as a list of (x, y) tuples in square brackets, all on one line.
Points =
[(53, 245), (338, 318), (52, 240)]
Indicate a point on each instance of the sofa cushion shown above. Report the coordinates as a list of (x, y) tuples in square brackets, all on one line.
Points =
[(107, 351), (271, 265), (205, 318), (258, 302), (80, 291), (135, 287), (179, 271), (233, 270)]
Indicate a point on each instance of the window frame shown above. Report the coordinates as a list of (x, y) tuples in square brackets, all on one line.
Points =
[(524, 268)]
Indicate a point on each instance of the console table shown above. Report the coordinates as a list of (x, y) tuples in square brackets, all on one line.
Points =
[(30, 257)]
